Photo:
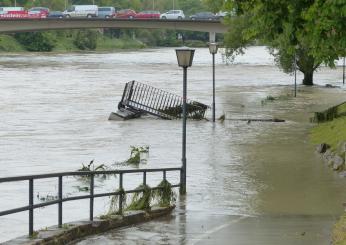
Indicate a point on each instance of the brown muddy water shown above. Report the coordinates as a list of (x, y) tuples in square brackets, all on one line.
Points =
[(54, 110)]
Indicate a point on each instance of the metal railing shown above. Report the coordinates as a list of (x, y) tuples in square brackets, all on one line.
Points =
[(60, 199), (141, 97)]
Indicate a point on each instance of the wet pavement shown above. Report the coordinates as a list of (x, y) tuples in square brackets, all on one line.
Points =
[(248, 183)]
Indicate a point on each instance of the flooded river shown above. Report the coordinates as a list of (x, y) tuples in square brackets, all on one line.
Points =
[(54, 110)]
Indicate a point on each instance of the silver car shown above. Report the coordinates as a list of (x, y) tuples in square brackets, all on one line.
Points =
[(173, 15), (106, 12)]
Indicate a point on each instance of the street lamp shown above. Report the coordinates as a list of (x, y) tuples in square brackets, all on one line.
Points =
[(343, 72), (213, 50), (185, 58), (295, 70)]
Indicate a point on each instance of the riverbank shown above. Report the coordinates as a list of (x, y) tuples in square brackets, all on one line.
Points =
[(86, 40), (330, 135), (8, 43)]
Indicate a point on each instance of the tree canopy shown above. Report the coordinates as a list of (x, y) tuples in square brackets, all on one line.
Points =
[(311, 32)]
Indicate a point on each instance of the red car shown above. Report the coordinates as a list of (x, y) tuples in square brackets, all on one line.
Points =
[(148, 15), (125, 14), (40, 10)]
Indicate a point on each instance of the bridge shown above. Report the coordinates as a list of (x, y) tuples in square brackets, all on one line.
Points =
[(28, 25)]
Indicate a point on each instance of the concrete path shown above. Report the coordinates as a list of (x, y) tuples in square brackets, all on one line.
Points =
[(198, 228)]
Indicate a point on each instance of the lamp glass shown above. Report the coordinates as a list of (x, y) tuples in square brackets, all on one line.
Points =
[(185, 56), (213, 48)]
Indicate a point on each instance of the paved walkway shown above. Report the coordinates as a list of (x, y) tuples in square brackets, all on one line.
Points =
[(198, 228)]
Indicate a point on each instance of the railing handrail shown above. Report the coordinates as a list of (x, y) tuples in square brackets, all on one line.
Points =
[(82, 173), (91, 174)]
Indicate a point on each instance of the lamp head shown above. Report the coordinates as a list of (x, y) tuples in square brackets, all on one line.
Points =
[(185, 56), (213, 47)]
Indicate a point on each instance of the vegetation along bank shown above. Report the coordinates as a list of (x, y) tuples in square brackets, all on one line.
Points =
[(330, 137)]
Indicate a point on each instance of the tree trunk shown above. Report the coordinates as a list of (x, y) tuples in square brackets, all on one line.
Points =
[(308, 78), (307, 66)]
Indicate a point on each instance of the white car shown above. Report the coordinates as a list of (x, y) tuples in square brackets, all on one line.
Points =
[(173, 15), (88, 11)]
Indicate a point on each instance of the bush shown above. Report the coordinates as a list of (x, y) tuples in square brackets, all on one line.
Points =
[(86, 40), (37, 41)]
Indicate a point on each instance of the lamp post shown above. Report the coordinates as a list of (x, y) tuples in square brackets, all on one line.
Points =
[(295, 75), (185, 58), (213, 50), (343, 72)]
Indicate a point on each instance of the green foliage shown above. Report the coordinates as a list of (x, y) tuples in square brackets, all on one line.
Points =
[(86, 39), (37, 41), (339, 234), (114, 204), (291, 29), (135, 157), (9, 44), (165, 194), (331, 133), (141, 200)]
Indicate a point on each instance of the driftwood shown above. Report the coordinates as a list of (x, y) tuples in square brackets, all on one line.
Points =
[(257, 120)]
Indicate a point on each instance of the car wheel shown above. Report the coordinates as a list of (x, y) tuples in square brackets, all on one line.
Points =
[(107, 16), (60, 17), (210, 19), (193, 18), (89, 16), (164, 17), (131, 17), (67, 16), (180, 18)]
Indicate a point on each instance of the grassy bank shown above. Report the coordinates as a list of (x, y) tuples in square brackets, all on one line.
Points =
[(339, 232), (65, 43), (9, 44), (332, 133)]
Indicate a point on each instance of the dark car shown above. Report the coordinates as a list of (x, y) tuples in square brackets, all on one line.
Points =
[(55, 14), (148, 15), (204, 16), (125, 14)]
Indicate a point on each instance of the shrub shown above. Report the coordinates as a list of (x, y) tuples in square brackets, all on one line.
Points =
[(37, 41), (86, 39)]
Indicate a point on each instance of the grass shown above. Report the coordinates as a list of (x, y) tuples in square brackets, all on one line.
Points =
[(339, 232), (332, 133), (10, 44)]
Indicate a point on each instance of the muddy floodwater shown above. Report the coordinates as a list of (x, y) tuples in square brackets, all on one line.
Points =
[(54, 110)]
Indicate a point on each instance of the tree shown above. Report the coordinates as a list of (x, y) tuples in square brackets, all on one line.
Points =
[(37, 41), (291, 29), (86, 39)]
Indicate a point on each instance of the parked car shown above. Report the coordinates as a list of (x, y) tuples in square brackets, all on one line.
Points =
[(173, 15), (55, 14), (204, 16), (106, 12), (88, 11), (41, 10), (149, 14), (125, 14)]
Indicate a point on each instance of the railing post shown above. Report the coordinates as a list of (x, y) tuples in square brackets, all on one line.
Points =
[(91, 218), (144, 178), (31, 210), (121, 195), (60, 203)]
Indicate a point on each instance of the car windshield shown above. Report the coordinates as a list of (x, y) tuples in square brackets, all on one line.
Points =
[(104, 9)]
